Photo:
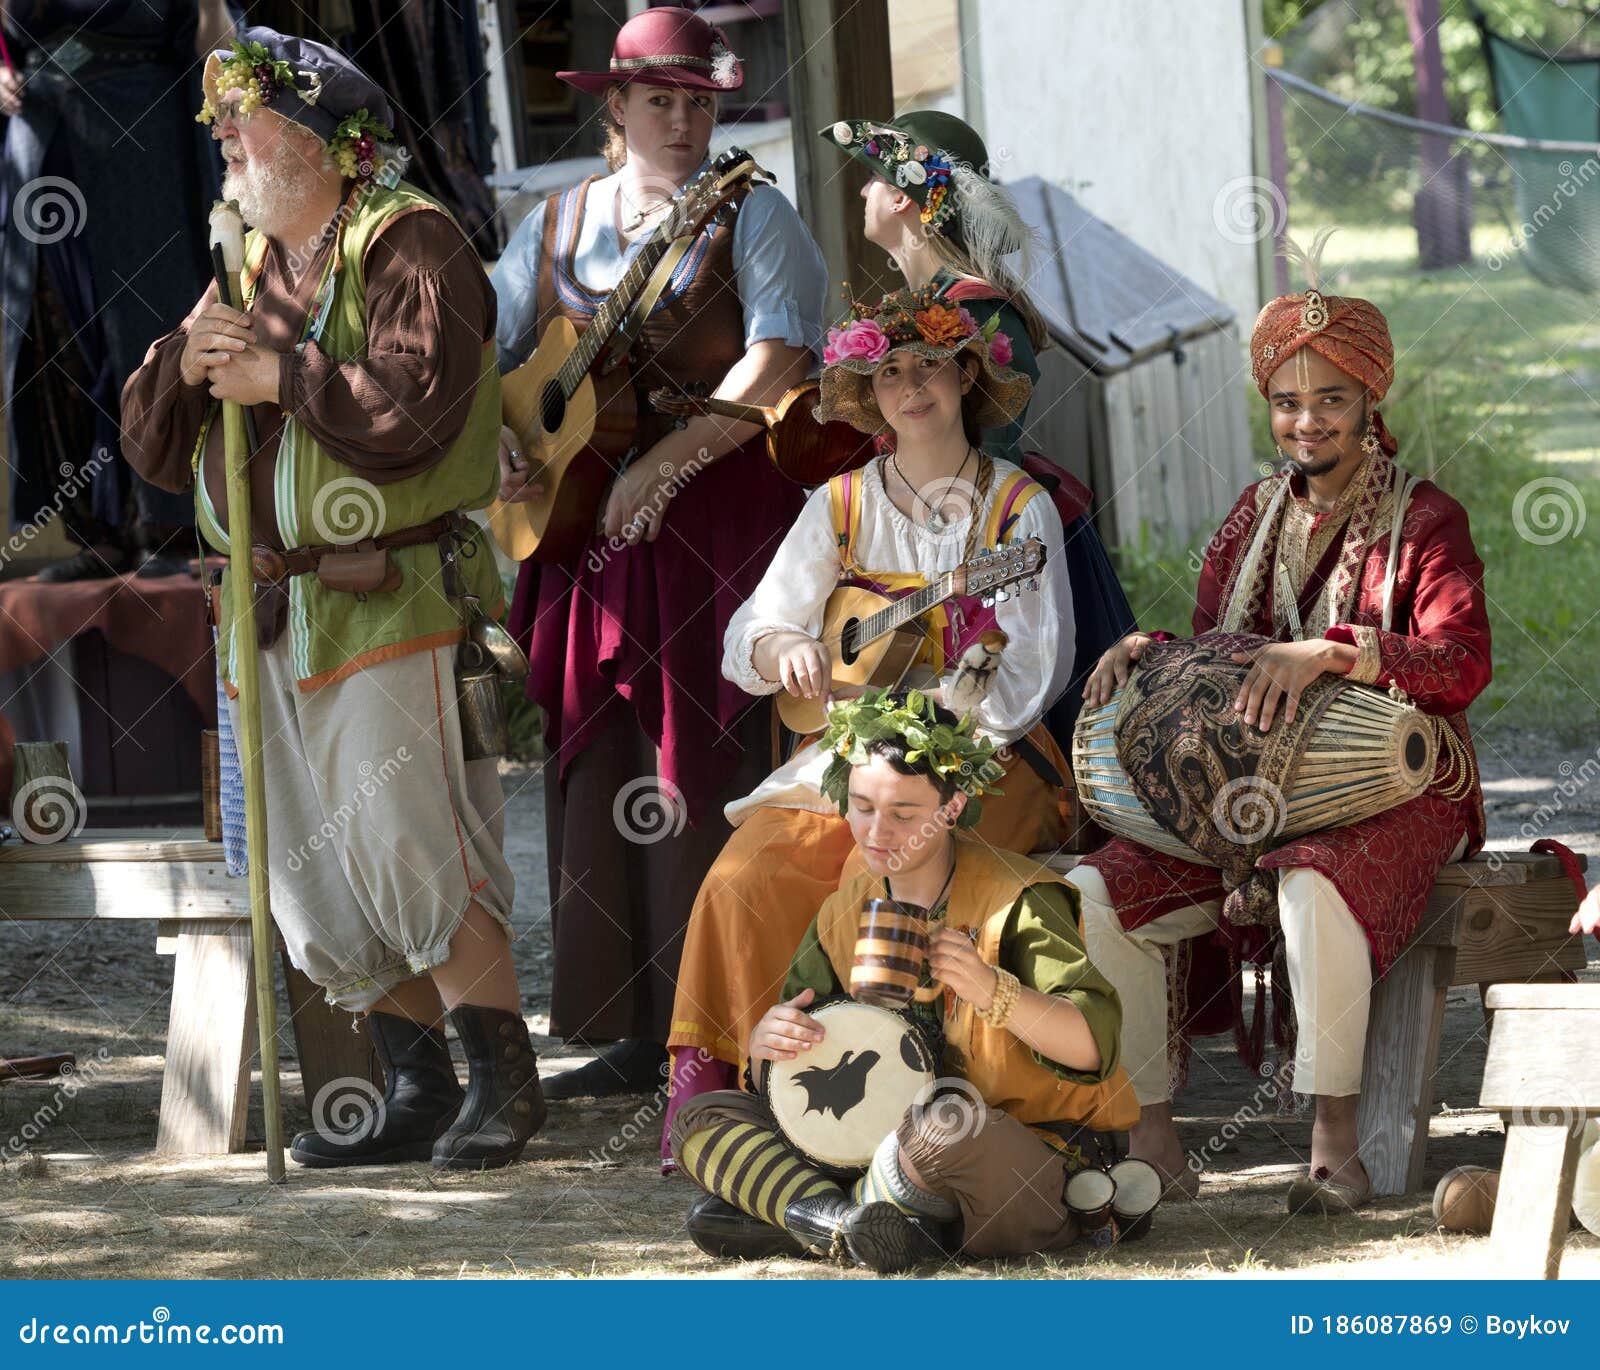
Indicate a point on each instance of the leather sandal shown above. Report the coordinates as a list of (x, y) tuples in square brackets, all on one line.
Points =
[(1319, 1193)]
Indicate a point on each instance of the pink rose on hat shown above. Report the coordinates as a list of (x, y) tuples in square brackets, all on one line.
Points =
[(860, 340), (1000, 349)]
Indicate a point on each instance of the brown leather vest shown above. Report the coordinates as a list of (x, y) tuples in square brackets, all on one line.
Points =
[(694, 335)]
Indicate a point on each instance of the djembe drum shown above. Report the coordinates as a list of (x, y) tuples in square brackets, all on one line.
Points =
[(1366, 751), (837, 1101)]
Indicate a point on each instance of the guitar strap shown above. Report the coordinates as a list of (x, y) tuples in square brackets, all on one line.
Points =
[(628, 331)]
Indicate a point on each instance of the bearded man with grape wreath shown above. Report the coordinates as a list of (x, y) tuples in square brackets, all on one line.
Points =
[(365, 356)]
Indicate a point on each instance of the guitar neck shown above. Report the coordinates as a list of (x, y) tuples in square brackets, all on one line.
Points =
[(903, 610), (610, 315)]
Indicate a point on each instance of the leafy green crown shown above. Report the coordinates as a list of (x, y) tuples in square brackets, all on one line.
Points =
[(951, 751)]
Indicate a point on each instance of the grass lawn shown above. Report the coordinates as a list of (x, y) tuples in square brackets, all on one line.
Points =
[(1497, 399)]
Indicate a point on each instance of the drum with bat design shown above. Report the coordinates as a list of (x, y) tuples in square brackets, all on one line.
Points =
[(836, 1102)]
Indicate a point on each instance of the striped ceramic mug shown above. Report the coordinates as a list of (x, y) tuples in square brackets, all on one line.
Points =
[(891, 951)]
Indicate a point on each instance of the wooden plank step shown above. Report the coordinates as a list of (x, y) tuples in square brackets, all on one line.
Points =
[(78, 850), (1551, 997), (33, 891)]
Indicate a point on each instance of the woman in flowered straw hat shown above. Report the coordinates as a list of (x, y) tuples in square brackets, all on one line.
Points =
[(925, 371), (930, 204), (624, 642), (1353, 568)]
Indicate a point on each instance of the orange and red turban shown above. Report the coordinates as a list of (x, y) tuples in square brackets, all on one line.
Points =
[(1350, 332)]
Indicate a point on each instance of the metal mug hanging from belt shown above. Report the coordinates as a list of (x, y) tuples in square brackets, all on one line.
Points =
[(487, 659)]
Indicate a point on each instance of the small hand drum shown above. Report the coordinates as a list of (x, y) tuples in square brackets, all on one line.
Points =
[(1138, 1190), (836, 1102)]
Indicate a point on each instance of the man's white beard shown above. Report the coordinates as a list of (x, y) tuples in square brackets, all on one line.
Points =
[(272, 190)]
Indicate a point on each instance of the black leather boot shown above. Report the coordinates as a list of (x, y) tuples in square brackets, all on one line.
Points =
[(633, 1066), (878, 1236), (421, 1096), (504, 1105), (728, 1233)]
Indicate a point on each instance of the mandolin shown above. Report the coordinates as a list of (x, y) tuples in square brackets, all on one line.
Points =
[(807, 452), (874, 639), (572, 403)]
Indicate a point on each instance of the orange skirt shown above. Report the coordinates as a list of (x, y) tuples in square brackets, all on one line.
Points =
[(771, 877)]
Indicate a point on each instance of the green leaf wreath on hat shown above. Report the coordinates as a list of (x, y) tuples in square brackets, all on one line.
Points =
[(252, 69), (953, 752)]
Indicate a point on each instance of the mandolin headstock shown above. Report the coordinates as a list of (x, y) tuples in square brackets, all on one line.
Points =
[(987, 575)]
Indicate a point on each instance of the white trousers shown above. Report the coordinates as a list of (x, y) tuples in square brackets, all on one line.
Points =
[(379, 831), (1330, 976)]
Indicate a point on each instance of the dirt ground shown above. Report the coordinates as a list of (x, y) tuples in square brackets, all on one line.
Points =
[(90, 1199)]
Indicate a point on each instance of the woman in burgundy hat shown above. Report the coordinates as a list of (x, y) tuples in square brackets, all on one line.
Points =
[(648, 740)]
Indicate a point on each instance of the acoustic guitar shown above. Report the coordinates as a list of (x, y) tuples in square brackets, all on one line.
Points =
[(807, 452), (874, 639), (572, 403)]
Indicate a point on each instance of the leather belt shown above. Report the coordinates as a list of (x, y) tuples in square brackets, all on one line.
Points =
[(269, 565)]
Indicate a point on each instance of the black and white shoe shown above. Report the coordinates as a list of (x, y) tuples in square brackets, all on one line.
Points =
[(728, 1233)]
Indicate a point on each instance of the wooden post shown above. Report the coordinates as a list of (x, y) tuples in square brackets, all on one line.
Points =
[(1268, 157), (838, 68), (1442, 211), (44, 805)]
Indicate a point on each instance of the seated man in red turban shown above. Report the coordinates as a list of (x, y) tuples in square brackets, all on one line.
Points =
[(1352, 568)]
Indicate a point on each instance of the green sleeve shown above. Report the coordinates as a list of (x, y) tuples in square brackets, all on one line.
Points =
[(1007, 442), (810, 968), (1044, 950)]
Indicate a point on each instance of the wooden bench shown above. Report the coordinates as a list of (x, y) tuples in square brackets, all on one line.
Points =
[(1500, 916), (202, 918), (1543, 1074)]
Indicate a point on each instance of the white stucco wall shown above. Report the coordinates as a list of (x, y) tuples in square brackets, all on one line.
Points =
[(1141, 108)]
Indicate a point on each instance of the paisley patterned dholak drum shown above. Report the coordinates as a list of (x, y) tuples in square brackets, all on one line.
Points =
[(841, 1098), (1354, 752)]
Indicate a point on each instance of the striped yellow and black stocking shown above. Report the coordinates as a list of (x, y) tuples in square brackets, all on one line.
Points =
[(752, 1168)]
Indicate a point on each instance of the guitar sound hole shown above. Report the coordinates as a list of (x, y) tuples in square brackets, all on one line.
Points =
[(552, 407), (847, 644)]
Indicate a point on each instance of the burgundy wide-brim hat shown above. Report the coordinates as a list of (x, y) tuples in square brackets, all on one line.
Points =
[(666, 46)]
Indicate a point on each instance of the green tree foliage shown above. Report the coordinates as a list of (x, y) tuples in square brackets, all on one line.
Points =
[(1363, 50)]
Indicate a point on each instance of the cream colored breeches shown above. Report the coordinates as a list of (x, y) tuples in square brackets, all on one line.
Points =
[(1330, 976)]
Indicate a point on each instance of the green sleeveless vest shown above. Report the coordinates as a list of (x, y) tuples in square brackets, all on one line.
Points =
[(320, 500)]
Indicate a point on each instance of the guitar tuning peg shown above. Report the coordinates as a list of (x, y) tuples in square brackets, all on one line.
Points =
[(987, 601), (1034, 584), (1001, 596)]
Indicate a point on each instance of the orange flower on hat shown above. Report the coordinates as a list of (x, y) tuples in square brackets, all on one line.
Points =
[(941, 325)]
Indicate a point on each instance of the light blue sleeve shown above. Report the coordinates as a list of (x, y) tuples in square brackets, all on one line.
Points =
[(782, 279), (516, 287)]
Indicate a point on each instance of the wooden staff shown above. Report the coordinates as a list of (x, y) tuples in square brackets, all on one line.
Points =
[(227, 259)]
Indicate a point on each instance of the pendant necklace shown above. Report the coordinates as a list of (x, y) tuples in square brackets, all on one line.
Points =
[(937, 522)]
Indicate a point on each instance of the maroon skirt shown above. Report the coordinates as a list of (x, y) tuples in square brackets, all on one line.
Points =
[(647, 740)]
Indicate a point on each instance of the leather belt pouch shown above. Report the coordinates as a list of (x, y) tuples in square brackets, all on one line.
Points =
[(359, 571), (272, 613)]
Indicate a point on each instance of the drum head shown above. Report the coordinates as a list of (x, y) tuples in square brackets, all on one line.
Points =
[(836, 1102), (1088, 1192), (1138, 1188)]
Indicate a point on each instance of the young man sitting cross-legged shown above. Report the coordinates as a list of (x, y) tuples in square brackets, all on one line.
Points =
[(1028, 1024)]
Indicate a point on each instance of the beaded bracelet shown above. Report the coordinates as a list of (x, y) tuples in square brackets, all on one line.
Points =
[(1007, 990)]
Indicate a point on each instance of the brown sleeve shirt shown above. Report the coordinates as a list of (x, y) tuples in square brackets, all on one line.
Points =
[(389, 415)]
